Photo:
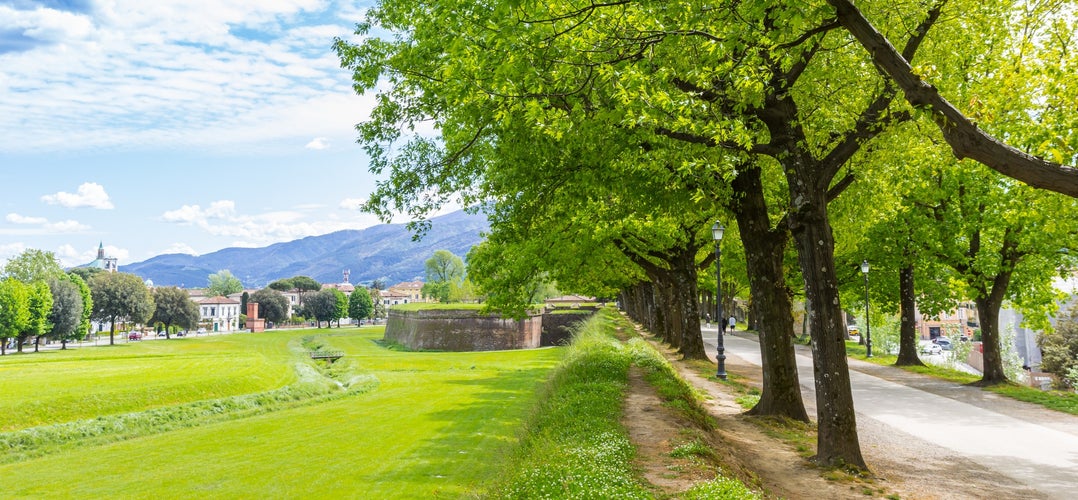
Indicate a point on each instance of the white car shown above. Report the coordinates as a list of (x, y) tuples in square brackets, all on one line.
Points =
[(930, 348)]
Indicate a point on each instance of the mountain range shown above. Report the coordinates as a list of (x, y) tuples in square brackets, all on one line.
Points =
[(386, 251)]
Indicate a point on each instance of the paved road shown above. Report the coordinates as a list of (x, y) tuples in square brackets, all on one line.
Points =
[(1032, 446)]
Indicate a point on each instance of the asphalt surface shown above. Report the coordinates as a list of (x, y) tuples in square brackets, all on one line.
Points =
[(1032, 446)]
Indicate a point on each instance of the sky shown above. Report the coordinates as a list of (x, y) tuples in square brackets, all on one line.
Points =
[(166, 126)]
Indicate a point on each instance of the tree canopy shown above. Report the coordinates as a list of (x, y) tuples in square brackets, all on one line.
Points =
[(223, 283), (272, 305), (120, 296), (174, 307), (360, 305)]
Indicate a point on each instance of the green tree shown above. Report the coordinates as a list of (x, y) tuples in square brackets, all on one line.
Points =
[(174, 307), (341, 305), (323, 305), (360, 305), (272, 305), (87, 304), (40, 308), (444, 267), (305, 284), (963, 132), (33, 265), (1059, 348), (86, 273), (14, 310), (282, 285), (120, 297), (66, 316), (223, 283), (443, 270)]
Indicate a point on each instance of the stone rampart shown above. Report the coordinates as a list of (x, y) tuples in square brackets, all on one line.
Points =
[(558, 323), (461, 330)]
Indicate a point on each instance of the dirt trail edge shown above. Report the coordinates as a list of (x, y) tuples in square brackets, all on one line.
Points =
[(744, 449)]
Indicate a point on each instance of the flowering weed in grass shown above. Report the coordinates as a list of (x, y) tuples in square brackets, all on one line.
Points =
[(720, 489), (574, 445)]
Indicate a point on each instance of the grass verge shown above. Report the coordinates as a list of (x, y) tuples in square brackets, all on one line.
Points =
[(573, 445), (1066, 402)]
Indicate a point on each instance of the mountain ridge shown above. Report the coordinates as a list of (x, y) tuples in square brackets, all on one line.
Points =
[(385, 251)]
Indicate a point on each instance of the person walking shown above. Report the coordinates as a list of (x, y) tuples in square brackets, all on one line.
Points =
[(707, 319), (733, 322)]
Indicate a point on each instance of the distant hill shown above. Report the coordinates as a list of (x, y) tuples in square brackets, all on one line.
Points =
[(384, 251)]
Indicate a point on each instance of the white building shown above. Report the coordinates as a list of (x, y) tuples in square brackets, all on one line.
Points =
[(219, 314)]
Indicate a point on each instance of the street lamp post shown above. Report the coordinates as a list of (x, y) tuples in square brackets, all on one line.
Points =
[(720, 356), (868, 328)]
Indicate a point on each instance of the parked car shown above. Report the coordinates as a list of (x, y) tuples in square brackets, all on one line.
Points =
[(930, 348), (944, 343), (162, 333), (134, 336), (181, 333)]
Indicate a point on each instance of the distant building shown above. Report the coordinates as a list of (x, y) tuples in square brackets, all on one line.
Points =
[(219, 314), (344, 287), (102, 262), (404, 293)]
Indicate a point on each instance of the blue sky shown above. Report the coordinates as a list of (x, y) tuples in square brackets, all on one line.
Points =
[(171, 126)]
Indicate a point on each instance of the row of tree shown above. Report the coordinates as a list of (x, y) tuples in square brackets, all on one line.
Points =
[(605, 138), (39, 300)]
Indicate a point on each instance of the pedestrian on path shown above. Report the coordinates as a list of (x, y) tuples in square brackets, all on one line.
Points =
[(707, 318), (733, 322)]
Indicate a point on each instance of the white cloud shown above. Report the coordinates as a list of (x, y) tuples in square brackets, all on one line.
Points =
[(194, 214), (222, 219), (9, 250), (90, 194), (22, 219), (352, 203), (318, 143), (183, 248), (43, 225), (46, 24), (67, 226), (172, 73)]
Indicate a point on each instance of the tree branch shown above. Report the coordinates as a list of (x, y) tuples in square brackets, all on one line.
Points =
[(961, 133)]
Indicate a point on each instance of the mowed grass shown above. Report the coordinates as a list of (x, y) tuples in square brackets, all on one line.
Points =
[(56, 386), (437, 425)]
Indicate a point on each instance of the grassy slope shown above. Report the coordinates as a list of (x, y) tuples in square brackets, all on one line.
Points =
[(435, 426), (62, 386)]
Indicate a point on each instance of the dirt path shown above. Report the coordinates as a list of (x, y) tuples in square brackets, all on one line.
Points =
[(905, 467), (743, 449)]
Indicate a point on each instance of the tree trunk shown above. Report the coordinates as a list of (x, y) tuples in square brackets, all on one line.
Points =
[(837, 441), (684, 278), (988, 311), (907, 331), (764, 251)]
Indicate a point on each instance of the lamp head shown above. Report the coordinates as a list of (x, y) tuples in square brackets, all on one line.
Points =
[(864, 266), (717, 230)]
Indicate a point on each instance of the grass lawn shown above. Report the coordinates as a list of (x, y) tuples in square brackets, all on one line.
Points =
[(56, 386), (437, 425)]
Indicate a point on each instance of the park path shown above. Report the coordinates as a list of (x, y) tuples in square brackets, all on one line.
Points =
[(916, 428)]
